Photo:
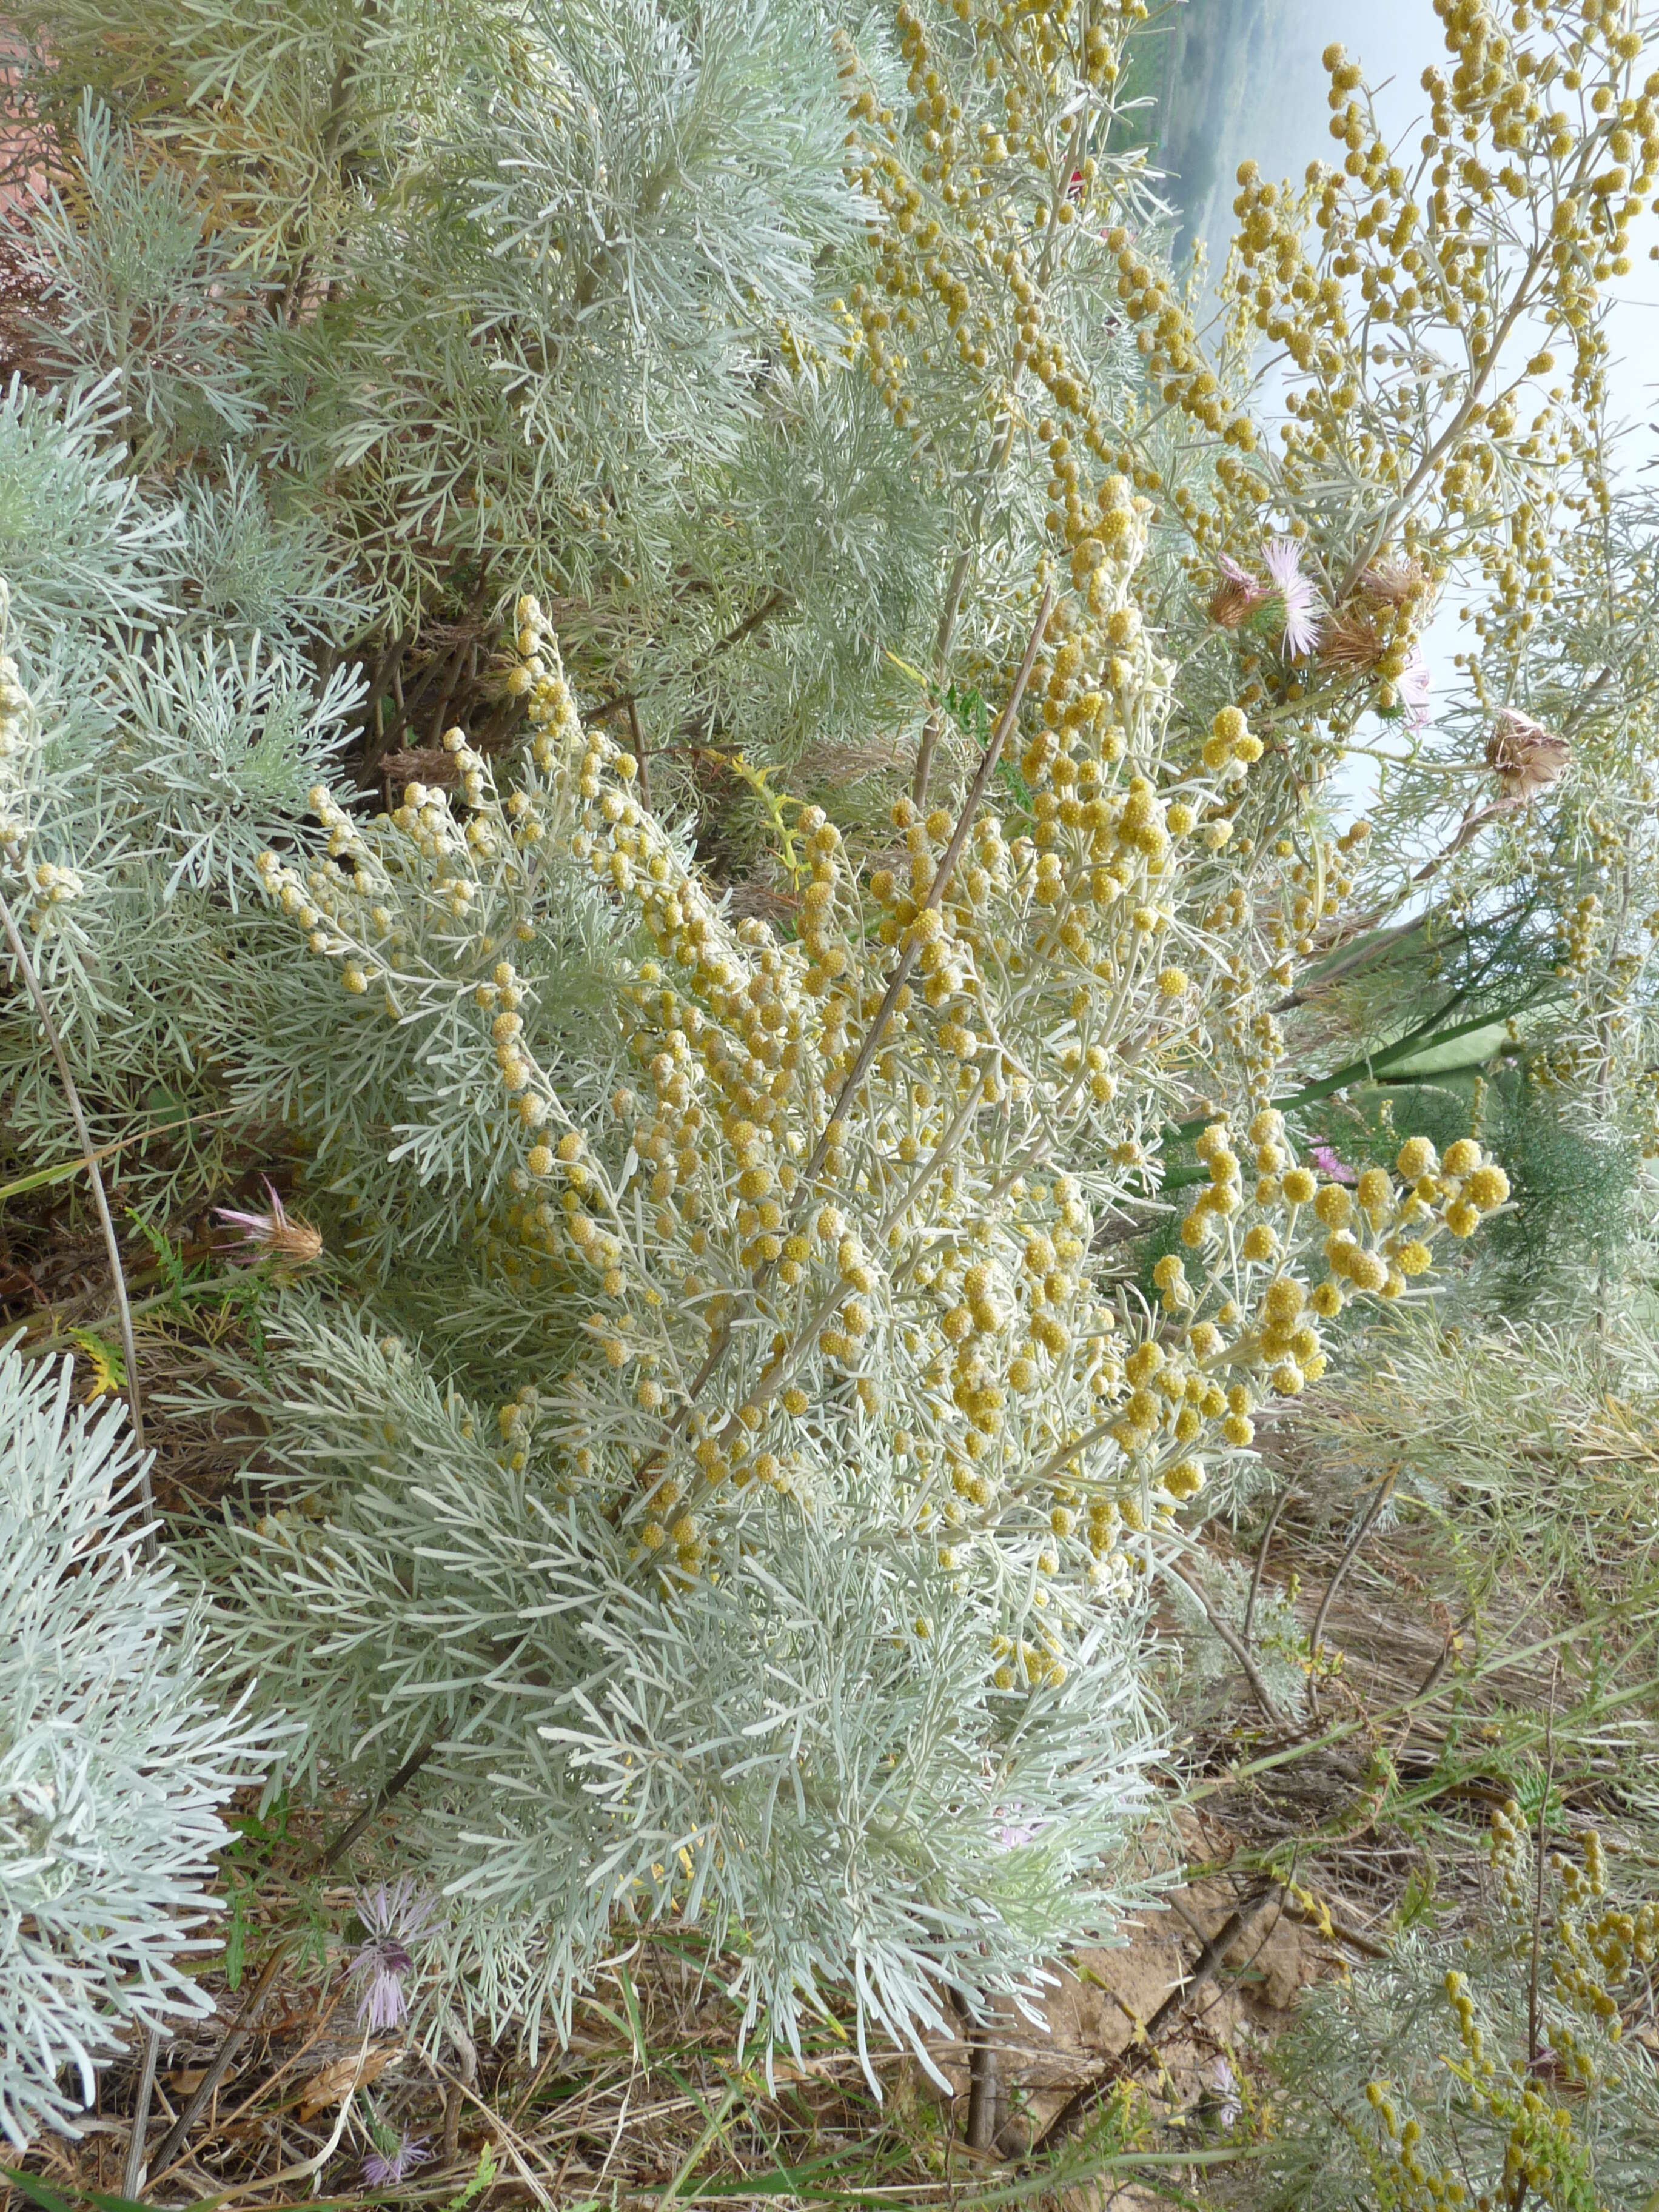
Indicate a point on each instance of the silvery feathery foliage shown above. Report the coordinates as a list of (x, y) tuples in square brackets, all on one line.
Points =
[(130, 276), (79, 541), (1395, 2030), (807, 1758), (151, 758), (249, 569), (114, 1763)]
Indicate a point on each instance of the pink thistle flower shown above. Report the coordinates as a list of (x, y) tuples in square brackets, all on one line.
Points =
[(1282, 558), (1325, 1158), (395, 1918), (276, 1235), (1415, 688), (385, 2169), (1238, 596)]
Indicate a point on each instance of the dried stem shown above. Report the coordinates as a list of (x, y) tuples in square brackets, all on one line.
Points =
[(1279, 1504), (1379, 1498), (1259, 1689), (1238, 1924)]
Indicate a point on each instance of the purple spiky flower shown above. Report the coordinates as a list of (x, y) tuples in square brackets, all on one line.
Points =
[(396, 1919), (385, 2169), (277, 1234)]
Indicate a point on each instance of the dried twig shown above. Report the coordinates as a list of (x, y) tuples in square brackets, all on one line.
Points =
[(1538, 1873), (1237, 1926), (167, 2149), (1278, 1505), (1259, 1689), (1379, 1498)]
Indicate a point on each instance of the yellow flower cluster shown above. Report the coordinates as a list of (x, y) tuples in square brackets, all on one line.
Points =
[(979, 202), (826, 1235), (1542, 114), (1590, 1959)]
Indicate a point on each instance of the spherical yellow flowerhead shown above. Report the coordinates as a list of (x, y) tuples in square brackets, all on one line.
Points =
[(1461, 1158), (1488, 1186), (1416, 1158), (1185, 1479), (1283, 1301), (1332, 1206), (1299, 1186), (1374, 1190)]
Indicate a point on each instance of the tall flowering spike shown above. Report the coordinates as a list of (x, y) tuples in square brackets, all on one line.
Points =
[(276, 1235), (1282, 558), (396, 1919), (1238, 596), (1525, 757)]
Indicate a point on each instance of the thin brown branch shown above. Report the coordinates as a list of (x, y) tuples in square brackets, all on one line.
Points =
[(1278, 1505), (1379, 1498), (776, 598), (982, 2091), (1238, 1926), (1259, 1689)]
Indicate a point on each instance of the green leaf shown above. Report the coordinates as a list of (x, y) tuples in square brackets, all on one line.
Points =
[(49, 2199)]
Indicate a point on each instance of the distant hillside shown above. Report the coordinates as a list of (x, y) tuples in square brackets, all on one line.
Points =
[(1233, 78)]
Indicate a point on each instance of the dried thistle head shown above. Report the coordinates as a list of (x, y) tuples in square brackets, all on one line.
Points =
[(1350, 643), (1393, 583), (1525, 757), (276, 1235)]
